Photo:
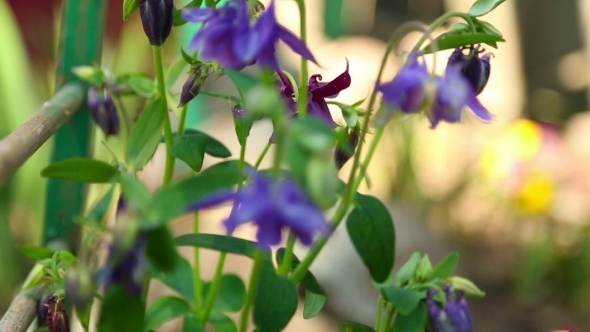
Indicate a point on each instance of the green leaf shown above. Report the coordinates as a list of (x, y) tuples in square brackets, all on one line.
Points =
[(446, 266), (489, 28), (450, 40), (414, 322), (243, 82), (355, 327), (179, 279), (231, 296), (160, 249), (407, 271), (315, 298), (129, 7), (466, 285), (164, 309), (192, 146), (322, 181), (81, 169), (99, 212), (174, 200), (313, 135), (135, 193), (276, 300), (222, 323), (220, 243), (482, 7), (36, 253), (404, 300), (142, 84), (243, 126), (191, 324), (424, 269), (371, 231), (121, 312), (223, 96), (145, 134)]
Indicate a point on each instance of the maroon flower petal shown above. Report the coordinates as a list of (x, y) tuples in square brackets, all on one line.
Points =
[(333, 87)]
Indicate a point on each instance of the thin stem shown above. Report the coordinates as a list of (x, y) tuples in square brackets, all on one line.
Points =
[(215, 285), (262, 155), (242, 162), (197, 269), (389, 314), (169, 170), (437, 23), (252, 289), (288, 259), (182, 120), (378, 319), (303, 80)]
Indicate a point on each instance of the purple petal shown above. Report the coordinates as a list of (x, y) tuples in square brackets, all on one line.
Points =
[(334, 87), (212, 200), (478, 109), (246, 45), (305, 220), (269, 230), (296, 44), (318, 108), (266, 27), (197, 15)]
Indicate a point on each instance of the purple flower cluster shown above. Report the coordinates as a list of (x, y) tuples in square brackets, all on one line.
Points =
[(454, 317), (272, 205), (229, 37), (446, 97)]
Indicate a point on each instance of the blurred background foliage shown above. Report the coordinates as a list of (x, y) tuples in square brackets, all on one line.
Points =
[(512, 197)]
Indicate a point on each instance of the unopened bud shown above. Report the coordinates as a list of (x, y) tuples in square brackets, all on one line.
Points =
[(343, 154), (474, 68), (193, 84), (103, 111), (57, 315), (156, 17)]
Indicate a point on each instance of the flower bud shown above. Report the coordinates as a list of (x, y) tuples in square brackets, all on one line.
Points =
[(103, 111), (193, 84), (474, 68), (454, 317), (156, 17), (343, 154), (42, 310), (57, 315)]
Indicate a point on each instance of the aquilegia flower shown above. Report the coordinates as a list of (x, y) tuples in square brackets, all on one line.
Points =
[(474, 68), (454, 317), (103, 110), (156, 17), (317, 92), (272, 205), (446, 97), (230, 38)]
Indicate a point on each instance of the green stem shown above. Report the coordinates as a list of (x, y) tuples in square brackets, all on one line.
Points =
[(215, 285), (389, 314), (169, 170), (262, 155), (242, 162), (182, 120), (437, 23), (252, 289), (378, 319), (197, 269), (288, 259), (303, 80)]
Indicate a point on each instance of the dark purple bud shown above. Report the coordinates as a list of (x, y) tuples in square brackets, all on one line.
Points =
[(343, 154), (454, 317), (474, 68), (42, 310), (103, 111), (156, 18), (193, 84), (57, 315)]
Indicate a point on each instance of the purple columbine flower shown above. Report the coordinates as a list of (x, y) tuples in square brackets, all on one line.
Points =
[(317, 94), (272, 205), (156, 17), (474, 68), (453, 94), (448, 96), (454, 317), (103, 110), (230, 38)]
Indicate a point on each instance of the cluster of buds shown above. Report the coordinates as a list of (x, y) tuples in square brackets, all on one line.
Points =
[(52, 313)]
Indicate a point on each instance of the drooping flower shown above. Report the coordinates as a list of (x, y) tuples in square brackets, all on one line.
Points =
[(156, 17), (407, 91), (272, 205), (454, 317), (343, 154), (453, 94), (126, 262), (475, 68), (317, 94), (230, 38), (103, 110)]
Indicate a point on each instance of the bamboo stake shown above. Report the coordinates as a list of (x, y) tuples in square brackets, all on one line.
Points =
[(17, 147)]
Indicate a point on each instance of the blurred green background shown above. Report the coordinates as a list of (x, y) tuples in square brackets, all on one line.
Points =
[(512, 197)]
